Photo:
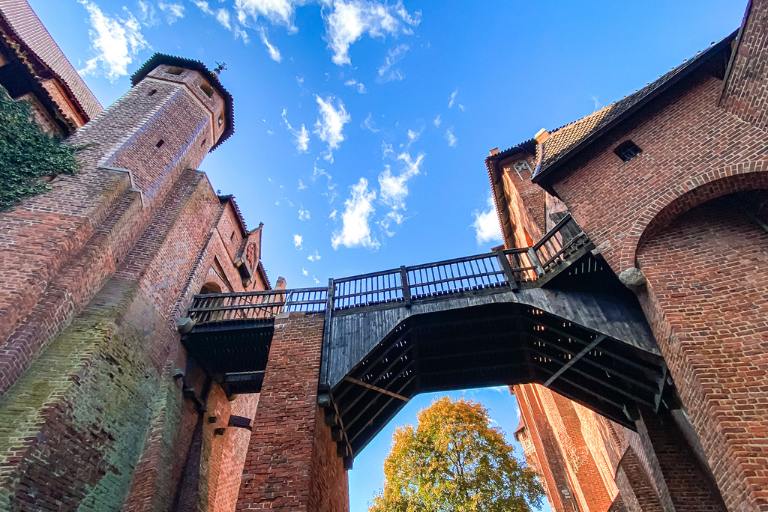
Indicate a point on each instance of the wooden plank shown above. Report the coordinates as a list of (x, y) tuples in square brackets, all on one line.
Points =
[(376, 388), (574, 360)]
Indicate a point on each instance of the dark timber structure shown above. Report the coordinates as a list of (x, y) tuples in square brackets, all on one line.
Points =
[(551, 313)]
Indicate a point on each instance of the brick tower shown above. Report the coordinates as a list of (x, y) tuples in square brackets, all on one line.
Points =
[(100, 406)]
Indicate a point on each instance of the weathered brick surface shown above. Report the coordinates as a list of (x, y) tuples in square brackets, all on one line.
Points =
[(745, 93), (710, 321), (289, 465)]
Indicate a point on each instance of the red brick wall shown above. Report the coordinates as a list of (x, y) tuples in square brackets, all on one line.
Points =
[(707, 299), (290, 465), (687, 143), (745, 93)]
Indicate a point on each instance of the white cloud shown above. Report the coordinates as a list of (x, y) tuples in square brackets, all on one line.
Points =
[(315, 280), (387, 71), (330, 125), (173, 11), (452, 98), (274, 52), (413, 135), (275, 11), (330, 186), (222, 16), (117, 41), (304, 214), (437, 121), (333, 214), (486, 224), (315, 256), (304, 272), (298, 240), (203, 6), (358, 209), (301, 185), (359, 86), (451, 137), (301, 135), (350, 20), (394, 190), (369, 124)]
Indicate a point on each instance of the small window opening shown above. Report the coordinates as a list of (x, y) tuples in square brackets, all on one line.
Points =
[(232, 236), (221, 119), (627, 150), (173, 70), (207, 89), (203, 143), (159, 143), (152, 92)]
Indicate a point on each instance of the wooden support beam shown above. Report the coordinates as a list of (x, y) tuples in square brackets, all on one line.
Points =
[(574, 360), (376, 388)]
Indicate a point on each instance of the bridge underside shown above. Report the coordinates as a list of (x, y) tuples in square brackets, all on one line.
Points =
[(491, 345)]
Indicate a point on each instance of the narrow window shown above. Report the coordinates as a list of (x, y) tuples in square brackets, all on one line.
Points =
[(221, 119), (232, 236), (152, 92), (203, 143), (627, 150), (207, 89), (159, 143)]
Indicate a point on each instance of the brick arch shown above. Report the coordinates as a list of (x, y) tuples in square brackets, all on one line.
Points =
[(679, 198)]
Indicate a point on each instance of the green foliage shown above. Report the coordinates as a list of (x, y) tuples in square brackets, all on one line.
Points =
[(27, 154), (454, 461)]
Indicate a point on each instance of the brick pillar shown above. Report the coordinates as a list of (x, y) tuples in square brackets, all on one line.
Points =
[(288, 466), (685, 486), (632, 479)]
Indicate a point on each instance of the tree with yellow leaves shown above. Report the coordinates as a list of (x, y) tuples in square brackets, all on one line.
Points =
[(454, 461)]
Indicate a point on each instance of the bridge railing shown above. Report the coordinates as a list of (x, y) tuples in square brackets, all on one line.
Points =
[(503, 268)]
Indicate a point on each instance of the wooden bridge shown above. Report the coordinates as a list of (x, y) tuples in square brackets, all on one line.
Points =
[(552, 313)]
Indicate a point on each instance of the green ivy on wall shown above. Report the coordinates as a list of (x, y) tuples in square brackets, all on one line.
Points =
[(27, 154)]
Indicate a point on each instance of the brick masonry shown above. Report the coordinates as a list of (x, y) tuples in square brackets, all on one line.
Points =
[(291, 463)]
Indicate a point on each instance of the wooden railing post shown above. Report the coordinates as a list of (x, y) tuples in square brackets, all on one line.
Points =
[(327, 333), (507, 268), (535, 261), (406, 286)]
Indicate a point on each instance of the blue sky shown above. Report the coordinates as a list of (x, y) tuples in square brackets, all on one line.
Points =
[(362, 125)]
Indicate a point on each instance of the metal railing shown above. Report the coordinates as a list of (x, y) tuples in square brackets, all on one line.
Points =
[(505, 268)]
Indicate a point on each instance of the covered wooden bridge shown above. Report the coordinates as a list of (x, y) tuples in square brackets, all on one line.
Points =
[(552, 313)]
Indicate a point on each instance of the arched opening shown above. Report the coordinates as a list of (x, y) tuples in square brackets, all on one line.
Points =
[(210, 287)]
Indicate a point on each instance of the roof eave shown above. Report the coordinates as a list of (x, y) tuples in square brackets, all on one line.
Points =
[(541, 176)]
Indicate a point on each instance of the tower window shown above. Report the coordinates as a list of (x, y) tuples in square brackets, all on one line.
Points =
[(173, 70), (207, 89), (152, 92), (159, 143), (221, 119), (627, 150)]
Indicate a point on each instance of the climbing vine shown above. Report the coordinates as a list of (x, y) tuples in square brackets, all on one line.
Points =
[(27, 154)]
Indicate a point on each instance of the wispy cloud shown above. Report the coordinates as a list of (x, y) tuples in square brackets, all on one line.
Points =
[(304, 272), (315, 256), (275, 11), (300, 135), (329, 126), (394, 190), (298, 241), (355, 220), (452, 98), (274, 52), (115, 40), (172, 10), (301, 185), (304, 215), (451, 138), (350, 20), (358, 86), (388, 71), (369, 124), (437, 121), (486, 224)]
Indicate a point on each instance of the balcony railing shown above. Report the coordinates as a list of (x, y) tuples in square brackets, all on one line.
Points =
[(510, 268)]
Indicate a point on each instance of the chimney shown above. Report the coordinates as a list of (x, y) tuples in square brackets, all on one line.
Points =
[(541, 136), (494, 152)]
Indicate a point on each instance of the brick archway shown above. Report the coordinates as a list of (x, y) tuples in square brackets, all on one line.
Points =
[(685, 196)]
